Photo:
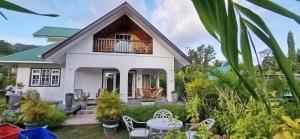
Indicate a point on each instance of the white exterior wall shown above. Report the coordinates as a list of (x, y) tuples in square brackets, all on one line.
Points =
[(88, 79), (47, 93)]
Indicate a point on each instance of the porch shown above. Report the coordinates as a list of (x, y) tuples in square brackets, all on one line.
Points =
[(141, 84)]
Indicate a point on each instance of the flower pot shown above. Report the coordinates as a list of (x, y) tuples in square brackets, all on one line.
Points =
[(174, 96), (110, 126), (29, 125), (69, 100)]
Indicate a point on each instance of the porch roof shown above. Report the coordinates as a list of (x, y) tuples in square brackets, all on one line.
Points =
[(32, 55)]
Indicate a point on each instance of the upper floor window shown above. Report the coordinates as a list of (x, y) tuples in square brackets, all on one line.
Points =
[(45, 77), (123, 37)]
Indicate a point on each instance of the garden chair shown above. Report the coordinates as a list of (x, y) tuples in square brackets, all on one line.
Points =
[(190, 132), (100, 92), (78, 94), (135, 132), (163, 113)]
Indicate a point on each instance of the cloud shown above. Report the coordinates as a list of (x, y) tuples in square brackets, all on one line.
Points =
[(178, 20)]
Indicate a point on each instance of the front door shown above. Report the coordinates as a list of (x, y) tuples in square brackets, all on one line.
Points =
[(131, 84), (111, 80)]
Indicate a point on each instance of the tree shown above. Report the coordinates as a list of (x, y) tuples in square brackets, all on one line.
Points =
[(291, 48), (218, 63), (202, 55), (14, 7), (231, 21), (269, 61), (5, 48), (292, 55)]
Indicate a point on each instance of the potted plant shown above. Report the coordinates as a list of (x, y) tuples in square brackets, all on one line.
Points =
[(174, 96), (20, 86), (33, 110), (108, 111)]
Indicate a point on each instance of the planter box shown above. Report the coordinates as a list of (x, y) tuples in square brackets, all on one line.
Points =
[(8, 131), (36, 133)]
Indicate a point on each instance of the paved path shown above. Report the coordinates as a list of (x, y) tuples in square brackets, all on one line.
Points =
[(81, 119)]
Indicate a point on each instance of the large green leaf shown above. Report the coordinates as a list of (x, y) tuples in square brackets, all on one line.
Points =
[(14, 7), (280, 57), (267, 4), (205, 18), (232, 46), (246, 49)]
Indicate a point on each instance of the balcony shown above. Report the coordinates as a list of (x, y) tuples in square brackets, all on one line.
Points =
[(122, 46)]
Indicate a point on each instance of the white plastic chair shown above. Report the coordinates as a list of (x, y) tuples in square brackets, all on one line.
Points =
[(208, 122), (163, 113), (135, 132)]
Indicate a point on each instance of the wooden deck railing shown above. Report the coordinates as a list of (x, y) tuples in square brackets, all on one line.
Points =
[(122, 46)]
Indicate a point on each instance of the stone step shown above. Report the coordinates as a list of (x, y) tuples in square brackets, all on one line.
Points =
[(86, 112)]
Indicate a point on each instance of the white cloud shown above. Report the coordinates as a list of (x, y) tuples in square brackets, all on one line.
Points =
[(178, 20)]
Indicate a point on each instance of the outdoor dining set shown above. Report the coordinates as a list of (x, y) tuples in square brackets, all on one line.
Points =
[(161, 123)]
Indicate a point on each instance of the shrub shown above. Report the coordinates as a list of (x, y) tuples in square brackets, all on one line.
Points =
[(144, 113), (55, 116), (109, 106), (33, 111)]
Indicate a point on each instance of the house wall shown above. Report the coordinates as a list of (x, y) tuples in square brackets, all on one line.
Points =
[(88, 79), (47, 93)]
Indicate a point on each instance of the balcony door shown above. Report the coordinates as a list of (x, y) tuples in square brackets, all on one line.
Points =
[(123, 43)]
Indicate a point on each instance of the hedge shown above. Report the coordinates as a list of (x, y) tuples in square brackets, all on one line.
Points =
[(144, 113)]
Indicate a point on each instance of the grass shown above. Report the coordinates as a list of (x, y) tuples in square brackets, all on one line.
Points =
[(87, 132)]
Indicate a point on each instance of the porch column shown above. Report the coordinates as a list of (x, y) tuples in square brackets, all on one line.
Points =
[(69, 81), (124, 84), (170, 84), (157, 79)]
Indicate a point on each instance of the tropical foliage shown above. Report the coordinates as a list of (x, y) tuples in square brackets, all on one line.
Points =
[(224, 22), (14, 7), (109, 106)]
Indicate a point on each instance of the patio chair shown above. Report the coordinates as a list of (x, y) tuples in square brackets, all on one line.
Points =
[(135, 132), (140, 92), (100, 92), (163, 113), (78, 94), (190, 133), (157, 94)]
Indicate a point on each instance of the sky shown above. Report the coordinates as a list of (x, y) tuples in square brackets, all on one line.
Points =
[(176, 19)]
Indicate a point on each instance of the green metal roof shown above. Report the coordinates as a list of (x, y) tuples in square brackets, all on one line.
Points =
[(56, 32), (29, 55)]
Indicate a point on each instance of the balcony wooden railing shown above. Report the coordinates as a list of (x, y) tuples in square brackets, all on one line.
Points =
[(122, 46)]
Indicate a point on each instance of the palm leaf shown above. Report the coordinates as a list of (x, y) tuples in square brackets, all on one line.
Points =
[(3, 15), (280, 57), (14, 7), (246, 49), (267, 4)]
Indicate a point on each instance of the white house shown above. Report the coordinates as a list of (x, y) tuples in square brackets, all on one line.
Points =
[(120, 50)]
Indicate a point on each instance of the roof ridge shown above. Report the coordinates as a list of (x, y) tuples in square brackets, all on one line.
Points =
[(62, 27)]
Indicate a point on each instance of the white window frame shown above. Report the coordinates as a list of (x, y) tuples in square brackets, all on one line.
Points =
[(35, 74), (55, 73), (45, 77), (52, 73)]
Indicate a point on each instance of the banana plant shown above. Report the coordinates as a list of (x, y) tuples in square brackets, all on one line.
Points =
[(14, 7), (234, 26)]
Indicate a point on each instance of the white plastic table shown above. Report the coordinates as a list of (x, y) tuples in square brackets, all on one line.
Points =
[(163, 124)]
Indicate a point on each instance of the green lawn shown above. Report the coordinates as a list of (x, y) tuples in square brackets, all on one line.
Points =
[(87, 132)]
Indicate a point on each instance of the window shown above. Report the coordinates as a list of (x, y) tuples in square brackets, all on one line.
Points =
[(45, 77), (35, 77), (55, 77), (123, 36)]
